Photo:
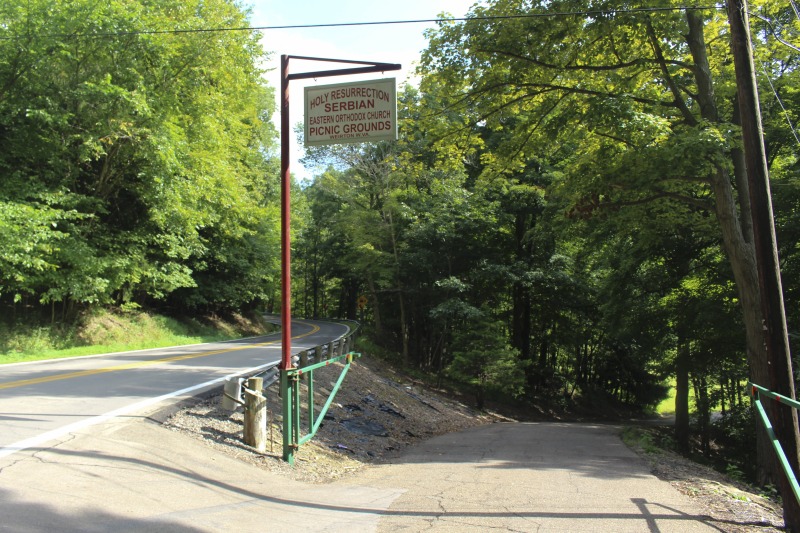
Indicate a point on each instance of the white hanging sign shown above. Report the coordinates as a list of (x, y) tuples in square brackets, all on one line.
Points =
[(362, 111)]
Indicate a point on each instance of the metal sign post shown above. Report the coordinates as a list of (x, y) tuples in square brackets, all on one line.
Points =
[(290, 383)]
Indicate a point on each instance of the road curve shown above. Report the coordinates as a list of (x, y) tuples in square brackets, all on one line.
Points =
[(44, 401)]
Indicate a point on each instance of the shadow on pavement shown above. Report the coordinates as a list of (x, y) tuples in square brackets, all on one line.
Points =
[(25, 516)]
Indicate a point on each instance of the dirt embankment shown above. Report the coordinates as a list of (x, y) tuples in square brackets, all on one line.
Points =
[(376, 414)]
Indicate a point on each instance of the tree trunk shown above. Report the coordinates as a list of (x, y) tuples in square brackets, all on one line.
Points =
[(315, 278), (520, 295), (521, 321), (376, 308), (735, 239), (403, 327), (682, 397), (775, 335), (403, 321), (703, 411)]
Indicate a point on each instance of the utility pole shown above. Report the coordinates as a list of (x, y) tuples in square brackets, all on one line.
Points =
[(776, 337)]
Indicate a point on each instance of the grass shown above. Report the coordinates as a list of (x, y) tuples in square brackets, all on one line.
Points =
[(109, 331), (667, 405), (636, 437)]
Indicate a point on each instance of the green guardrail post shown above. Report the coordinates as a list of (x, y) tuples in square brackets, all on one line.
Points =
[(290, 394), (287, 395), (324, 410), (310, 386)]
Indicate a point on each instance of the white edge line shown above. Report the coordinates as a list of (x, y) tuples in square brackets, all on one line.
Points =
[(76, 426)]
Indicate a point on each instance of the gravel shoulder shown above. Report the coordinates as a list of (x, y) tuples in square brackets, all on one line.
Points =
[(379, 413), (384, 411)]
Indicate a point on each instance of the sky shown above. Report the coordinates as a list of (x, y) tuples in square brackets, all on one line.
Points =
[(397, 43)]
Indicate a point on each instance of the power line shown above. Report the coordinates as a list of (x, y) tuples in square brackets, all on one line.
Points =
[(591, 13), (775, 33), (796, 9), (780, 102)]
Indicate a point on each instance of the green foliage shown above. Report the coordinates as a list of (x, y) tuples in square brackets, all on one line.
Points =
[(104, 331), (733, 433), (735, 473), (636, 437), (483, 359), (565, 191), (134, 164)]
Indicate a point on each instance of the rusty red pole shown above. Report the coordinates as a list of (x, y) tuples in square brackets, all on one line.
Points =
[(286, 252), (291, 409)]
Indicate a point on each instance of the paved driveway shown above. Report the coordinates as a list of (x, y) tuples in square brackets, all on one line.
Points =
[(134, 475)]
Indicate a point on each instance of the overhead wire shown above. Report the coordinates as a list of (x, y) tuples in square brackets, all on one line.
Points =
[(439, 20), (780, 103), (589, 13), (767, 76), (796, 9), (774, 33)]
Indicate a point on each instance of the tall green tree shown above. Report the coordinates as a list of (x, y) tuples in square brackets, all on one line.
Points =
[(636, 106), (143, 155)]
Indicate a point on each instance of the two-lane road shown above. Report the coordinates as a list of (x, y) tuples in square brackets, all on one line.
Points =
[(46, 400)]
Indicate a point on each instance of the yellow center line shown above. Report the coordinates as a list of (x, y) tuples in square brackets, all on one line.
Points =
[(140, 364)]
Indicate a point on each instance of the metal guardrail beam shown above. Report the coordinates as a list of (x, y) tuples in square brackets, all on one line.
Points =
[(757, 390), (316, 353), (303, 365), (290, 390)]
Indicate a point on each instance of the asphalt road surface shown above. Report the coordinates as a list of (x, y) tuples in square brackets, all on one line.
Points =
[(134, 475), (44, 401), (131, 474)]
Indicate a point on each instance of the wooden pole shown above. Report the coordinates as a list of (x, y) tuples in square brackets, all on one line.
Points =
[(255, 415), (776, 337)]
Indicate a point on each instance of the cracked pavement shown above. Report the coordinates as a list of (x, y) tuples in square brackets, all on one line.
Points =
[(136, 475)]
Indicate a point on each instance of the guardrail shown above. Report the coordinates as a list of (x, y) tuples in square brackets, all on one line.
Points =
[(304, 363), (304, 367), (756, 391), (290, 390)]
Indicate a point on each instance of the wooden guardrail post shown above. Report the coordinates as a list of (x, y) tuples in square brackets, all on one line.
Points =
[(303, 362), (255, 415), (331, 348), (318, 354)]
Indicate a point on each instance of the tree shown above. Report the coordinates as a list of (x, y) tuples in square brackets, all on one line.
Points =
[(483, 358), (146, 152), (645, 96), (775, 337)]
